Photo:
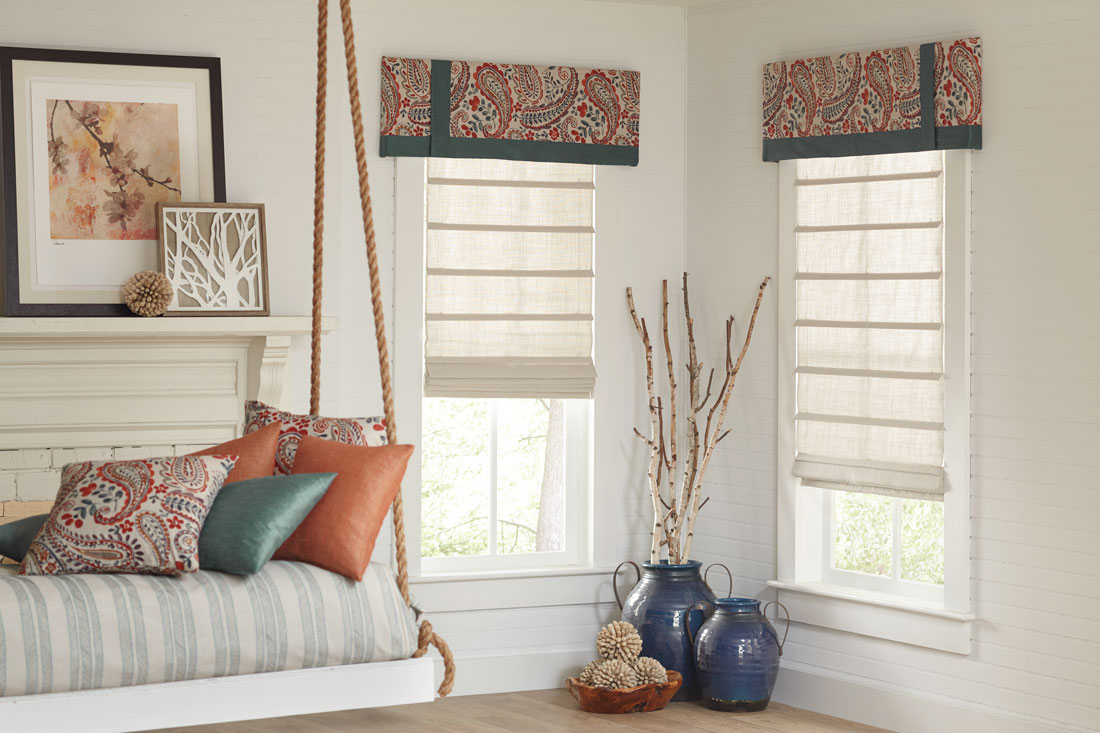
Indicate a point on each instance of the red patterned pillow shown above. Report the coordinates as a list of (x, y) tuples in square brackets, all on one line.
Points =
[(139, 516), (349, 430)]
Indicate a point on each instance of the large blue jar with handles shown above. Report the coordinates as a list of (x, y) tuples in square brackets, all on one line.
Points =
[(668, 603), (737, 655)]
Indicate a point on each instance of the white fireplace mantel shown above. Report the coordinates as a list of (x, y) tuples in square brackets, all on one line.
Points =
[(96, 382)]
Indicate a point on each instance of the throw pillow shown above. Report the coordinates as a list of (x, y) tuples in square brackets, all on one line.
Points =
[(250, 519), (340, 532), (15, 537), (353, 431), (141, 516), (255, 453)]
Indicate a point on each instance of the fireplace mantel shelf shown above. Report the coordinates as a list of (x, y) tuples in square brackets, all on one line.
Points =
[(174, 326)]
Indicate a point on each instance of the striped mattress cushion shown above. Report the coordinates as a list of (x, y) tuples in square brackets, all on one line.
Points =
[(79, 632)]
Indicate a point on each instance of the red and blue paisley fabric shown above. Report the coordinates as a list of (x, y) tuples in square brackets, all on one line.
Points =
[(515, 102), (878, 91), (141, 516), (548, 103), (350, 430), (406, 97)]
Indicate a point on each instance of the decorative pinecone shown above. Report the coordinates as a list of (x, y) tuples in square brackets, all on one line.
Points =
[(587, 675), (614, 674), (649, 671), (619, 640), (147, 293)]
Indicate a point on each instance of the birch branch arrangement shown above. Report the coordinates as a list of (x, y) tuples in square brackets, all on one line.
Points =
[(676, 489)]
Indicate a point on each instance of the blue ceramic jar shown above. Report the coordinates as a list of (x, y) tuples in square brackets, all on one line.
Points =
[(737, 656), (660, 607)]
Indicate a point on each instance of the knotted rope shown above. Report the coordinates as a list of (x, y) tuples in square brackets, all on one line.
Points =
[(426, 634)]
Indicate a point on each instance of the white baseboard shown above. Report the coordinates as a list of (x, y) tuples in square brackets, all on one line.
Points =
[(222, 699), (894, 708), (801, 686), (516, 670)]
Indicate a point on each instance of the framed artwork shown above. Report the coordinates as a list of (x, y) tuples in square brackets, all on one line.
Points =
[(90, 144), (215, 256)]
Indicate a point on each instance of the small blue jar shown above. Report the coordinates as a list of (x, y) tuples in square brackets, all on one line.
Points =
[(737, 656)]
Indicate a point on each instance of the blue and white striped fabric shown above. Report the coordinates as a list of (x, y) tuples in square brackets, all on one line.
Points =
[(79, 632)]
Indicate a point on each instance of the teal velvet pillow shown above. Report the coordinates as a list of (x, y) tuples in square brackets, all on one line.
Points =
[(250, 519), (15, 537)]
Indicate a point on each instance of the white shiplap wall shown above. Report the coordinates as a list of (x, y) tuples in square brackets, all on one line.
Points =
[(1035, 348)]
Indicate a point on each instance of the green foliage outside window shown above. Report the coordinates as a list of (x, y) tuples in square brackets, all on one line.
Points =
[(864, 536)]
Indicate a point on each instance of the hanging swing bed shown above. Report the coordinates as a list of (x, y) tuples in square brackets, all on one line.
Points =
[(96, 659)]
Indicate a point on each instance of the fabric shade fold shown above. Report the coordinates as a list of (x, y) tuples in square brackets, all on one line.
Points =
[(508, 285), (869, 325)]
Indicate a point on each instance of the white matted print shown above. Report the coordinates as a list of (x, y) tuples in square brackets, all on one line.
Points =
[(98, 139), (215, 256)]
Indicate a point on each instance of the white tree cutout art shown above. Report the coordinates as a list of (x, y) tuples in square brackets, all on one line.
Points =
[(215, 258)]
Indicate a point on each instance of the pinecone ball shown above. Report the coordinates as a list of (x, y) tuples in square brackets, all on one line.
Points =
[(649, 671), (147, 293), (619, 640), (587, 675), (613, 674)]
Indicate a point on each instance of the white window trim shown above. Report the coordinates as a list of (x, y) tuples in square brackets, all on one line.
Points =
[(578, 422), (799, 584), (410, 193)]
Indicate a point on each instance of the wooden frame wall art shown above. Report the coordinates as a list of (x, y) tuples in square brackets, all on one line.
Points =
[(215, 256), (91, 144)]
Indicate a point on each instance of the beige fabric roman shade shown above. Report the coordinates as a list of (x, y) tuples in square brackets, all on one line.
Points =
[(508, 279), (869, 328)]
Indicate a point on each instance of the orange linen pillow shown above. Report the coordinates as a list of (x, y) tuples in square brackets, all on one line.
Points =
[(339, 534), (256, 451)]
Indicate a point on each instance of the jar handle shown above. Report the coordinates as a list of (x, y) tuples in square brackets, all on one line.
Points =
[(703, 606), (720, 565), (615, 579), (785, 629)]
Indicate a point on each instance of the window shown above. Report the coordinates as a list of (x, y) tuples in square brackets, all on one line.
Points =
[(874, 408), (508, 371)]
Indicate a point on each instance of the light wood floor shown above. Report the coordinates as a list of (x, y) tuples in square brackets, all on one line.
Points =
[(531, 712)]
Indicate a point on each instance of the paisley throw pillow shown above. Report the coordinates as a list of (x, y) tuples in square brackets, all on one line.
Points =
[(349, 430), (141, 516)]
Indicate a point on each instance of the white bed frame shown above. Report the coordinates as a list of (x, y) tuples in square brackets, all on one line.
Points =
[(222, 699)]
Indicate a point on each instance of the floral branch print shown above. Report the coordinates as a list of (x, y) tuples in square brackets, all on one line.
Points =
[(119, 164), (58, 148)]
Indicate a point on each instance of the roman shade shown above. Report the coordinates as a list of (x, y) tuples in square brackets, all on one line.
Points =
[(508, 279), (869, 253), (462, 109), (892, 100)]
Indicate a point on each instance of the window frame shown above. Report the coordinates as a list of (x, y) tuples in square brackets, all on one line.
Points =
[(880, 583), (577, 418), (816, 597), (410, 237)]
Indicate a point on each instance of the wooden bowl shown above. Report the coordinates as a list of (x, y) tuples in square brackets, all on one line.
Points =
[(640, 699)]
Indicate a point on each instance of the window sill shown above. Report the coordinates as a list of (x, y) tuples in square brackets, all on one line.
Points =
[(482, 591), (905, 620)]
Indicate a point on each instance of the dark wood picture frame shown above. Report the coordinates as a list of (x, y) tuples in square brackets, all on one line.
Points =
[(9, 214), (265, 290)]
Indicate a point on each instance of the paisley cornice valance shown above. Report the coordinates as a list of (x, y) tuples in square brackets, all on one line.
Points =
[(893, 100), (461, 109)]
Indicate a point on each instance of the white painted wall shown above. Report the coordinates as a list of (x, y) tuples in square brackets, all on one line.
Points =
[(267, 51), (1035, 350)]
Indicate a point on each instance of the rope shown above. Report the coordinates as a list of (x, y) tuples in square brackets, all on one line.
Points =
[(426, 634), (318, 209)]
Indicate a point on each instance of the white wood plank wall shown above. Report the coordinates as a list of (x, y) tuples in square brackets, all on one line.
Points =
[(1036, 347)]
